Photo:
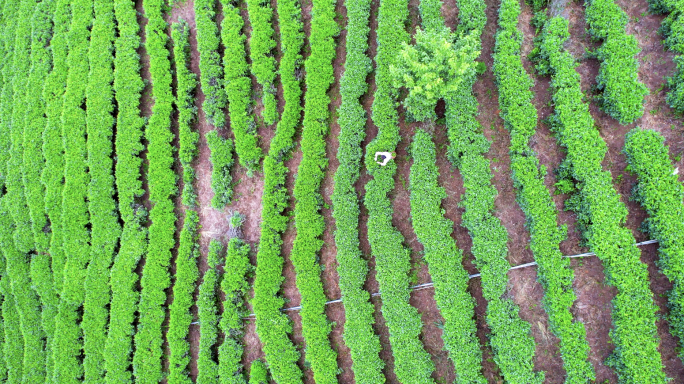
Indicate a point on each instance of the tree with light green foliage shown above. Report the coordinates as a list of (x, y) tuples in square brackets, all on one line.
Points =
[(432, 68)]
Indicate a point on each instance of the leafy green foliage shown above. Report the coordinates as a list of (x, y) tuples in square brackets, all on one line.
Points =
[(20, 39), (672, 29), (41, 273), (207, 312), (235, 288), (27, 302), (308, 220), (105, 228), (8, 16), (180, 317), (68, 342), (211, 71), (272, 326), (510, 337), (128, 86), (147, 364), (432, 229), (221, 161), (554, 273), (623, 93), (392, 259), (13, 343), (660, 193), (431, 69), (187, 112), (34, 123), (238, 86), (261, 47), (187, 272), (363, 343), (601, 213), (258, 373), (444, 259)]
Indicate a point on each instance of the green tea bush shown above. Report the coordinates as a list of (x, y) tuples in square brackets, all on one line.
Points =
[(27, 303), (272, 326), (660, 193), (180, 316), (207, 313), (128, 86), (510, 338), (554, 272), (221, 161), (211, 71), (601, 215), (444, 259), (34, 122), (412, 363), (235, 287), (238, 87), (258, 373), (105, 228), (261, 47), (364, 344), (187, 112), (68, 343), (623, 93), (147, 359), (308, 219), (19, 38), (672, 30), (42, 263)]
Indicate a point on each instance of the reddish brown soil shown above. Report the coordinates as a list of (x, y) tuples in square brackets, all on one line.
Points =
[(593, 306)]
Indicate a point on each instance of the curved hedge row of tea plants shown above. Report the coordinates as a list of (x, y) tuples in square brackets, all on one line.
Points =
[(147, 360), (180, 316), (672, 30), (623, 93), (20, 40), (363, 343), (187, 272), (128, 86), (13, 341), (68, 342), (601, 216), (433, 231), (238, 86), (392, 258), (660, 193), (272, 326), (186, 82), (261, 45), (52, 176), (554, 272), (11, 346), (104, 218), (510, 337), (444, 259), (207, 314), (33, 161), (221, 161), (258, 374), (211, 70), (41, 273), (235, 287), (308, 219), (6, 50), (27, 302)]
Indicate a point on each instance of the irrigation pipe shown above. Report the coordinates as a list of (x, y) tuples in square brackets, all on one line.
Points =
[(429, 285)]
